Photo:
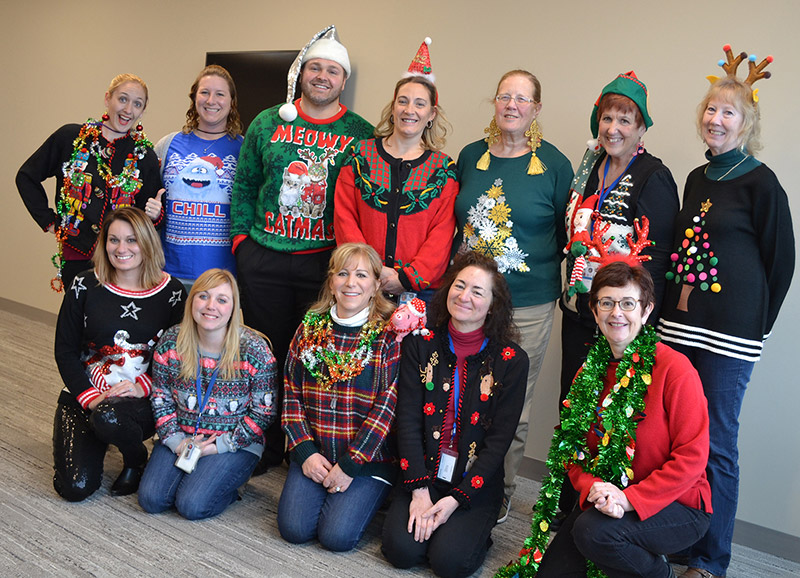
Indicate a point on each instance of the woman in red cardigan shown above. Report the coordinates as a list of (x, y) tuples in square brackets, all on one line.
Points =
[(396, 192), (634, 438)]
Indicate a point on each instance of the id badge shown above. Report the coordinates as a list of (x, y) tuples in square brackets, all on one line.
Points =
[(447, 465), (189, 457)]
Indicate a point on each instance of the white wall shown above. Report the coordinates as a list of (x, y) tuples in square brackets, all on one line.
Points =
[(58, 59)]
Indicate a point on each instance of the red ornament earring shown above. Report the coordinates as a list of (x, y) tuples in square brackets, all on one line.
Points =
[(105, 117)]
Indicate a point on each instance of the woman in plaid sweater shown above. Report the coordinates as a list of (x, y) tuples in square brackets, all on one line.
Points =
[(339, 402)]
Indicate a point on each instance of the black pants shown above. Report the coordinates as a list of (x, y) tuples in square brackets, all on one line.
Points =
[(458, 547), (576, 340), (276, 290), (623, 547), (81, 437)]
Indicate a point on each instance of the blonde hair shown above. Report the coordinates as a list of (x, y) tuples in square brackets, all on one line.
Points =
[(121, 79), (537, 86), (188, 342), (433, 138), (234, 124), (151, 271), (739, 95), (380, 308)]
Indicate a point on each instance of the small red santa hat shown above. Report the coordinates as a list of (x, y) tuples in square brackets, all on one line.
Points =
[(298, 171), (421, 63), (417, 306), (217, 162)]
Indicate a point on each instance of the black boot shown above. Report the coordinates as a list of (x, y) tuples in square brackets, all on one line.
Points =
[(127, 482)]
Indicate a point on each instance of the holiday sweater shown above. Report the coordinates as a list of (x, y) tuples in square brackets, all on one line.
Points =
[(488, 413), (239, 410), (403, 209), (198, 175), (516, 218), (671, 449), (646, 188), (106, 334), (88, 204), (732, 264), (350, 421), (283, 192)]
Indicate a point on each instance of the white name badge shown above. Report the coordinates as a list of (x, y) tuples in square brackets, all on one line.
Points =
[(447, 465)]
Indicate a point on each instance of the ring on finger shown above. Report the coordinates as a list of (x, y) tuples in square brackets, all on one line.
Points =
[(338, 489)]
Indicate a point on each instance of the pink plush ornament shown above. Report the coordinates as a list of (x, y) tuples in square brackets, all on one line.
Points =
[(409, 318)]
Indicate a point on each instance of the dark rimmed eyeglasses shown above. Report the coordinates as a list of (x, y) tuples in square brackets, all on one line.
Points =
[(626, 303)]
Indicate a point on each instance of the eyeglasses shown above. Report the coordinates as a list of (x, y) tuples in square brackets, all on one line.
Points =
[(626, 304), (519, 99)]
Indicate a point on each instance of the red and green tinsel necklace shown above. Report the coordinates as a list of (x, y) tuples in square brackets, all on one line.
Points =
[(317, 348), (77, 187), (619, 415)]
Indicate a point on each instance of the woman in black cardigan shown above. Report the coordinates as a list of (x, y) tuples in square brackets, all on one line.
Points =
[(460, 394)]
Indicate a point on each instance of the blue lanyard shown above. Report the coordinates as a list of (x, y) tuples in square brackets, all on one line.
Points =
[(457, 383), (605, 191), (200, 395)]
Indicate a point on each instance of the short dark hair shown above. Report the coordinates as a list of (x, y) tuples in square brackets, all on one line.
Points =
[(499, 325), (620, 274)]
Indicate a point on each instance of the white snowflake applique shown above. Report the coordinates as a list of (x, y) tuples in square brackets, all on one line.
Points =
[(489, 230)]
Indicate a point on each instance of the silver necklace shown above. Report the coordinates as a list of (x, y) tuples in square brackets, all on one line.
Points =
[(730, 170)]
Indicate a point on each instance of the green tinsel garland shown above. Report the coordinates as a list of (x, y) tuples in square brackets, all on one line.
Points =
[(621, 413)]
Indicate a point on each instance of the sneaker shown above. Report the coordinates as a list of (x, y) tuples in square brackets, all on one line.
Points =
[(504, 510)]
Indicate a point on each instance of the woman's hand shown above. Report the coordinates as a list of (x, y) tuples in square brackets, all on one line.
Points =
[(421, 504), (609, 499), (125, 388), (153, 206), (316, 467), (337, 480), (208, 446), (441, 511), (390, 281)]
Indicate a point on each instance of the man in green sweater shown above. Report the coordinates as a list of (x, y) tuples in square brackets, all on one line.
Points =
[(282, 201)]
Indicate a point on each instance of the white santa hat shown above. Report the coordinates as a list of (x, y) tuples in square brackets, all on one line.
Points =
[(322, 45)]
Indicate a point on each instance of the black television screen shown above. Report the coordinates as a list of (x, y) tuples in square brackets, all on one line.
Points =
[(260, 77)]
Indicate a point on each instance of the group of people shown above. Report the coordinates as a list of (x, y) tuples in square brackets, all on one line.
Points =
[(315, 223)]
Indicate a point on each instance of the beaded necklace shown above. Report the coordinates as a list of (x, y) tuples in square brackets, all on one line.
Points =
[(617, 416), (317, 348), (76, 190)]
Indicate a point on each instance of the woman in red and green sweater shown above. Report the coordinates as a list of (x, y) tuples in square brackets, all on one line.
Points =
[(340, 394)]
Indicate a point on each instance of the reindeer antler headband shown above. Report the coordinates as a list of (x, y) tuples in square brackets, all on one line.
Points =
[(732, 64)]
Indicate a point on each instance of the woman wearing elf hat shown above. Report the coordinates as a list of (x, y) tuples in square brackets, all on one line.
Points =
[(198, 165), (513, 193), (396, 191), (732, 265), (621, 183), (99, 166), (633, 440)]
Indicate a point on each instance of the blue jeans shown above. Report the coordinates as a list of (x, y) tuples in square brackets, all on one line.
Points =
[(206, 492), (724, 380), (306, 510), (622, 547)]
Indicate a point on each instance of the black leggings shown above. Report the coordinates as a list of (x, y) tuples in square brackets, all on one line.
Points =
[(81, 437)]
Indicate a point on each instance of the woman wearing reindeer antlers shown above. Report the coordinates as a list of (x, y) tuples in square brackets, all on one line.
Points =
[(732, 264)]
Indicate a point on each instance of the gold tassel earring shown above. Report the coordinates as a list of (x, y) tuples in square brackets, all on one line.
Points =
[(534, 134), (494, 136)]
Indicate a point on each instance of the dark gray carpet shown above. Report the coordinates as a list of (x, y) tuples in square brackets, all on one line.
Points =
[(104, 536)]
